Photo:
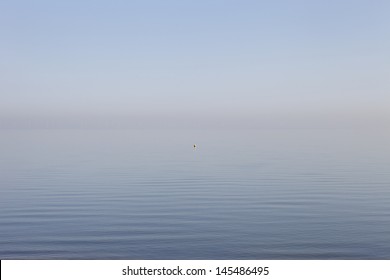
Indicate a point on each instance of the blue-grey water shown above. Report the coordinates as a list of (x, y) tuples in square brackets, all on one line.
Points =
[(148, 194)]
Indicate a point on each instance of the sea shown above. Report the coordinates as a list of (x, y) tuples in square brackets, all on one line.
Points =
[(140, 194)]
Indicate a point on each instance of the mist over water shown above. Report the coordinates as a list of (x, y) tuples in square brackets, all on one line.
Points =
[(287, 102), (148, 194)]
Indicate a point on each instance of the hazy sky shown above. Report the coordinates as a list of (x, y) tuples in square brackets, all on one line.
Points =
[(240, 63)]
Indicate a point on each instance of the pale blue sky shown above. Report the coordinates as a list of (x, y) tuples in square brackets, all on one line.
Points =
[(249, 63)]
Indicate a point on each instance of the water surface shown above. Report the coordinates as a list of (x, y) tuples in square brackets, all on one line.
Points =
[(241, 194)]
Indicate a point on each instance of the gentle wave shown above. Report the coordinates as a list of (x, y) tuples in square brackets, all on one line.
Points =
[(248, 196)]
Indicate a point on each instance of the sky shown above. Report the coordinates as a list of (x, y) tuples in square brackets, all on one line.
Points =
[(194, 63)]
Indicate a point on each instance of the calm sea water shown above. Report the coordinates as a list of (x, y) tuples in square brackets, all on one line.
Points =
[(137, 194)]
